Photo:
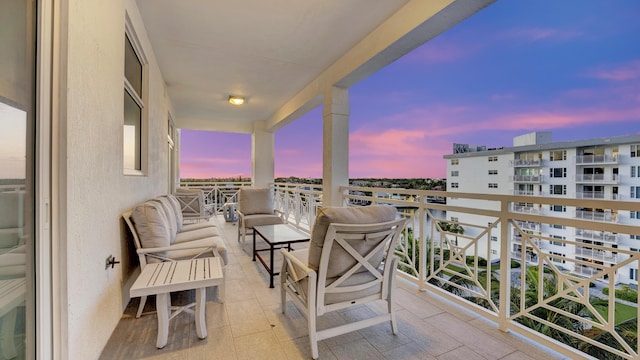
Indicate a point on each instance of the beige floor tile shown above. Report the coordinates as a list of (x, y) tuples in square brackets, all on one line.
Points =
[(409, 351), (481, 342), (357, 349), (461, 353), (425, 335), (301, 349), (219, 344), (415, 304), (261, 345)]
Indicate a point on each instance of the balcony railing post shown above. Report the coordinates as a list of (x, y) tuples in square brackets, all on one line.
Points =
[(505, 267), (422, 220)]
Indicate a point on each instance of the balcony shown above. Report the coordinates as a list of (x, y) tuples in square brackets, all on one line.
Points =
[(524, 193), (528, 179), (597, 179), (596, 159), (250, 325), (601, 195), (596, 254), (525, 209), (592, 235), (596, 216), (525, 163)]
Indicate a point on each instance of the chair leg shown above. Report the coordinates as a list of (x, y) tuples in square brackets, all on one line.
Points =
[(313, 335), (143, 300), (283, 283), (392, 311)]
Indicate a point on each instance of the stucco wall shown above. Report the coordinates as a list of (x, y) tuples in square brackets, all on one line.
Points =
[(96, 191)]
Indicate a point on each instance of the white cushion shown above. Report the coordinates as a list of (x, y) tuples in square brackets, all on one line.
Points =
[(255, 201), (175, 204), (151, 225)]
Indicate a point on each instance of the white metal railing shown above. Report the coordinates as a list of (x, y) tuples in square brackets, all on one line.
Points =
[(596, 216), (525, 162), (599, 255), (526, 178), (218, 193), (298, 202), (596, 236), (524, 192), (596, 159), (456, 266), (598, 178), (525, 209)]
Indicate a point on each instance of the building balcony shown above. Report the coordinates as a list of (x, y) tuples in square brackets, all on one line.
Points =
[(592, 235), (596, 159), (250, 325), (596, 216), (525, 209), (529, 225), (528, 179), (596, 254), (525, 163), (597, 179), (529, 257), (524, 193), (596, 195)]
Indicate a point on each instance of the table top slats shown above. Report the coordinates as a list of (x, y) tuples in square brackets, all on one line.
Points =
[(171, 276)]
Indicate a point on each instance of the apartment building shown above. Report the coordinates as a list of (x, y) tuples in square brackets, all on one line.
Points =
[(535, 166)]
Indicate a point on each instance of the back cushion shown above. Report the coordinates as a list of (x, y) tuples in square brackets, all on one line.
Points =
[(255, 201), (169, 215), (343, 215), (175, 204), (151, 225)]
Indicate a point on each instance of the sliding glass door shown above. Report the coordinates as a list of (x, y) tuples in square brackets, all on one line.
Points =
[(17, 159)]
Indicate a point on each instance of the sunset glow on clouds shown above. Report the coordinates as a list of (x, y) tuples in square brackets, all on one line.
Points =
[(570, 67)]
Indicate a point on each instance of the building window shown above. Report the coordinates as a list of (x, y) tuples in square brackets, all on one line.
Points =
[(635, 171), (556, 226), (454, 219), (558, 208), (633, 274), (558, 155), (493, 158), (634, 237), (557, 243), (555, 259), (493, 185), (558, 172), (635, 214), (634, 150), (493, 172), (558, 189), (494, 252), (454, 173), (133, 131), (455, 161), (494, 238), (635, 192), (454, 185)]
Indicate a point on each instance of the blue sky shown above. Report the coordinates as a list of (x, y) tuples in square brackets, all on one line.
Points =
[(570, 67)]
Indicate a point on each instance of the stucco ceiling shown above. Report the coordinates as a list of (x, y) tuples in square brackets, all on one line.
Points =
[(266, 51)]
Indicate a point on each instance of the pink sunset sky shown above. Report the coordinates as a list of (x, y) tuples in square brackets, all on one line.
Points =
[(571, 67)]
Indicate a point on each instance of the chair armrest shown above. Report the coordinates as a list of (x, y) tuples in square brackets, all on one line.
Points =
[(298, 269)]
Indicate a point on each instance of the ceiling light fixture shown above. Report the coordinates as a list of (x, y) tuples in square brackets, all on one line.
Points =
[(236, 100)]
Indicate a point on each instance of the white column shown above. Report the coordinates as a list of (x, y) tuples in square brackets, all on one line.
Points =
[(335, 158), (262, 156)]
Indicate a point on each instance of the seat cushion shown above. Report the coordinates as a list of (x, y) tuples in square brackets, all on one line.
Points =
[(255, 201), (151, 225), (170, 215), (175, 205), (343, 215), (261, 219), (196, 226), (185, 236), (212, 241)]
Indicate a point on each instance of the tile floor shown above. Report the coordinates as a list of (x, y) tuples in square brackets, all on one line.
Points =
[(250, 325)]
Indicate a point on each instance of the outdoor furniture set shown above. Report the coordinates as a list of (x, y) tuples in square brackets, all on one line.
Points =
[(349, 261)]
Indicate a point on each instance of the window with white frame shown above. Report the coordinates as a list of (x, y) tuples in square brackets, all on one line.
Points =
[(635, 149), (134, 107), (634, 237), (454, 219), (635, 171), (633, 274), (558, 189), (635, 192), (454, 173), (455, 161), (558, 155), (557, 243), (558, 172), (493, 185), (493, 158), (557, 260), (494, 238), (493, 172), (558, 208), (634, 214), (556, 226), (454, 185)]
